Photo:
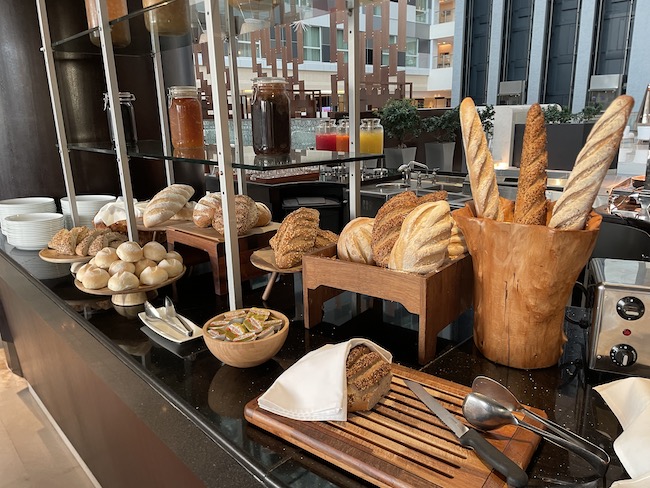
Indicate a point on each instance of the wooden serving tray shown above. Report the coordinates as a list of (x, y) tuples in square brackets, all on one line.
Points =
[(400, 443)]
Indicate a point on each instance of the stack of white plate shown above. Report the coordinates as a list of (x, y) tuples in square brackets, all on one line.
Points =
[(87, 208), (38, 268), (32, 232), (15, 206)]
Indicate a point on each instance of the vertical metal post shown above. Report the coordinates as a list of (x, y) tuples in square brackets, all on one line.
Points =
[(224, 154), (55, 97), (355, 63), (234, 94)]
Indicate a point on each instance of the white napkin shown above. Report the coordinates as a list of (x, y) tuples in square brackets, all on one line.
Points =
[(629, 399), (315, 387)]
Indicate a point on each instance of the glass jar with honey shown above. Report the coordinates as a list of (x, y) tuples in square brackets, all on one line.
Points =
[(185, 117), (172, 19), (120, 32), (271, 117)]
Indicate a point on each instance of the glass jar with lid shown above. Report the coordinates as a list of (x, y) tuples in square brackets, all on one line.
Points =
[(172, 19), (343, 136), (371, 136), (120, 32), (185, 117), (271, 116), (326, 135), (128, 117)]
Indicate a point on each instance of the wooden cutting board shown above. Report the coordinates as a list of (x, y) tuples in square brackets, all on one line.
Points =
[(400, 443)]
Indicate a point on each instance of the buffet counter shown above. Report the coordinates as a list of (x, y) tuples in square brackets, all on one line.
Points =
[(142, 411)]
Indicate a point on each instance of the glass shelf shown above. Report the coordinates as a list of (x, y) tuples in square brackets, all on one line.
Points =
[(250, 160)]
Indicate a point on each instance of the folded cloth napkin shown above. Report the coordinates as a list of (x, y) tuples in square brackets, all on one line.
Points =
[(315, 388), (629, 399)]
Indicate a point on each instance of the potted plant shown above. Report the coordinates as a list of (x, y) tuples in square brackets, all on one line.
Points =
[(402, 123), (443, 130)]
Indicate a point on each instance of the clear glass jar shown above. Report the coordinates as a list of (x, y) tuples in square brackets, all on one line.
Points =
[(185, 117), (120, 32), (326, 135), (371, 137), (271, 116), (343, 136), (169, 20), (128, 117)]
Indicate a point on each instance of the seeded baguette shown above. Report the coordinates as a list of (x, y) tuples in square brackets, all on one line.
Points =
[(575, 203)]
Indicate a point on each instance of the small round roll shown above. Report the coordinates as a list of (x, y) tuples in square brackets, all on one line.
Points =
[(174, 255), (124, 280), (154, 250), (95, 278), (143, 264), (105, 257), (119, 265), (130, 251), (74, 267), (83, 269), (173, 266), (153, 275)]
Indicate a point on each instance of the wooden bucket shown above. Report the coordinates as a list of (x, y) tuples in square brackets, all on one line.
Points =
[(523, 279)]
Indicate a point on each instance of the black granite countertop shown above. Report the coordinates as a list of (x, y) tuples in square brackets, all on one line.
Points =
[(215, 394)]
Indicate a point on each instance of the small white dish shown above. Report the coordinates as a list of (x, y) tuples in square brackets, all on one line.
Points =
[(167, 332)]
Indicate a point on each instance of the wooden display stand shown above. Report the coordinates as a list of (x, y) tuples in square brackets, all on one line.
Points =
[(438, 298), (212, 242), (264, 259)]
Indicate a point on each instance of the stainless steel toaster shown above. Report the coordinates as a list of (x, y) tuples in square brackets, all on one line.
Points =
[(619, 338)]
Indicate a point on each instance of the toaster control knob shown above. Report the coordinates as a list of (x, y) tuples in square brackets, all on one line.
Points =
[(630, 308), (623, 355)]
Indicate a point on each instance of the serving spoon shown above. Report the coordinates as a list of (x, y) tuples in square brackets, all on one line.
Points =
[(486, 413)]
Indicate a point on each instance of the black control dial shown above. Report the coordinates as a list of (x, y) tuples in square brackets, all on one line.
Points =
[(623, 355), (630, 308)]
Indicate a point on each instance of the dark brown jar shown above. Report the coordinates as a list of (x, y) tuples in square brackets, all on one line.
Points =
[(271, 117), (120, 32), (172, 19)]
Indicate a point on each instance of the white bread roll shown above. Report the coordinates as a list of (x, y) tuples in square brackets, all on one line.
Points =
[(423, 239), (173, 267), (174, 255), (105, 257), (166, 203), (122, 281), (143, 264), (153, 275), (205, 208), (83, 269), (263, 215), (119, 265), (95, 278), (154, 250), (130, 251), (74, 267), (572, 208), (480, 166), (355, 241)]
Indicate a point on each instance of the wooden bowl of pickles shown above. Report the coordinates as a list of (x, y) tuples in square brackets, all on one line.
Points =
[(246, 337)]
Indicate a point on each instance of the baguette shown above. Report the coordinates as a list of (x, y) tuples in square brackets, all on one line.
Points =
[(530, 207), (166, 203), (573, 207), (482, 178)]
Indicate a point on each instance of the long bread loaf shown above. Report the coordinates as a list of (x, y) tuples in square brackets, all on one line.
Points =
[(166, 203), (575, 203), (482, 178), (530, 207), (388, 223)]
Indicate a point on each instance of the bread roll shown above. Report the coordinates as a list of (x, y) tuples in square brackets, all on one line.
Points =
[(205, 208), (119, 265), (368, 377), (355, 241), (153, 275), (83, 269), (435, 196), (263, 215), (388, 223), (296, 235), (124, 280), (154, 250), (95, 278), (74, 267), (423, 239), (530, 207), (482, 178), (130, 251), (174, 255), (173, 267), (246, 214), (143, 264), (573, 207), (105, 257), (166, 203)]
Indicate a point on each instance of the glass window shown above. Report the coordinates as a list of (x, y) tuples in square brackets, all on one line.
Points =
[(412, 52), (342, 44), (384, 53), (311, 44), (422, 11), (244, 48)]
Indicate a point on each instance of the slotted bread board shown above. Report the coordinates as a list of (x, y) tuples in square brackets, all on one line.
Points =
[(400, 443)]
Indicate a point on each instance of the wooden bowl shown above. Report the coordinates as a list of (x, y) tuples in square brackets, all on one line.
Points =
[(247, 354)]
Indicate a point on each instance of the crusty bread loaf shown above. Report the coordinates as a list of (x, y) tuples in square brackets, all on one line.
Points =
[(575, 203), (355, 241), (185, 213), (457, 245), (83, 247), (246, 214), (388, 223), (530, 207), (63, 242), (166, 203), (105, 240), (368, 378), (205, 208), (480, 166), (263, 215), (423, 239), (435, 196), (296, 235), (325, 238)]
